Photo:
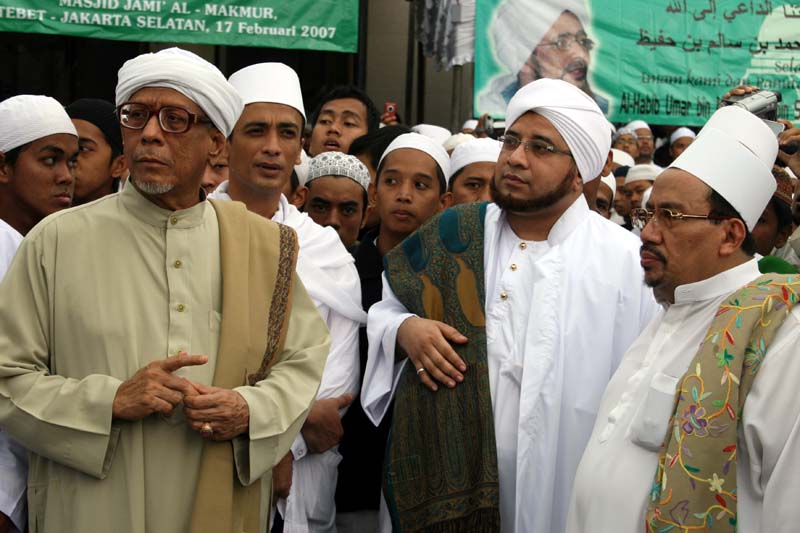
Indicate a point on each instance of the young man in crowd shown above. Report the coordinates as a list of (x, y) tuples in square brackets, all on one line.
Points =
[(264, 148), (337, 194), (645, 140), (38, 147), (100, 165), (343, 115), (368, 149), (409, 189)]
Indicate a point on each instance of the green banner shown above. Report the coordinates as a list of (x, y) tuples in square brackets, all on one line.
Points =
[(664, 61), (330, 25)]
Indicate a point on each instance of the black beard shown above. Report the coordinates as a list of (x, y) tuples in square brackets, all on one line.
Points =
[(530, 205)]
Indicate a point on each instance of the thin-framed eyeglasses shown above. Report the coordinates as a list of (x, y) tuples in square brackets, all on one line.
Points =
[(565, 40), (171, 119), (537, 147), (640, 217)]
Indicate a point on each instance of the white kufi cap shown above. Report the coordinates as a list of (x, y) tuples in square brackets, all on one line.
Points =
[(417, 141), (26, 118), (680, 133), (338, 164), (642, 173), (612, 184), (733, 154), (574, 114), (484, 150), (470, 124), (190, 75), (302, 169), (437, 133), (637, 125), (457, 139), (273, 83), (623, 159)]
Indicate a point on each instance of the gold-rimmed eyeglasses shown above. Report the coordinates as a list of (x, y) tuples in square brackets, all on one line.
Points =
[(640, 217)]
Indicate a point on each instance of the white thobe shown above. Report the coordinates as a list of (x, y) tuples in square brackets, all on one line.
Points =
[(329, 274), (612, 485), (559, 316), (13, 457)]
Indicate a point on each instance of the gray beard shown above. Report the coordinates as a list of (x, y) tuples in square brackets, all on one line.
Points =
[(154, 188)]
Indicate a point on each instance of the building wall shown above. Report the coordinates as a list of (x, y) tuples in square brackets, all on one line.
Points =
[(387, 56)]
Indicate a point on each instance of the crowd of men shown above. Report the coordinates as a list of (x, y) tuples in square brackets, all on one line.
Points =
[(221, 313)]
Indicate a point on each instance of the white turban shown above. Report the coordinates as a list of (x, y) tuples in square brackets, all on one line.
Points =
[(470, 124), (190, 75), (456, 140), (680, 133), (519, 25), (422, 143), (273, 83), (437, 133), (574, 114), (484, 150), (733, 154), (623, 159), (338, 164), (642, 172), (26, 118), (637, 125)]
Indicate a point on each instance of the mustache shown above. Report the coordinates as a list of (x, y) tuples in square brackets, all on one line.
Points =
[(151, 155), (577, 64), (647, 247)]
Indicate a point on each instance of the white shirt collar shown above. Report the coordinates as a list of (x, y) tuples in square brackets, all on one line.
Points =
[(721, 284), (568, 221)]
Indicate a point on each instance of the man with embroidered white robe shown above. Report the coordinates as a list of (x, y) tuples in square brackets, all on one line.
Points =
[(96, 380), (563, 300), (263, 149), (741, 453)]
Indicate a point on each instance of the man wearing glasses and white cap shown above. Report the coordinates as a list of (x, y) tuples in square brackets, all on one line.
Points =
[(698, 428)]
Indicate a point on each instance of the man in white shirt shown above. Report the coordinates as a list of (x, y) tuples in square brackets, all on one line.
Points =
[(675, 446), (542, 266), (37, 148), (263, 149)]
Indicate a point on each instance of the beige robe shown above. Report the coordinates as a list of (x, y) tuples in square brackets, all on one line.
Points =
[(96, 293)]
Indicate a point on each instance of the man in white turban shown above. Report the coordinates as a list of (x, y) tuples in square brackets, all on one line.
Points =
[(538, 40), (697, 430), (489, 305), (162, 401), (38, 145), (264, 147)]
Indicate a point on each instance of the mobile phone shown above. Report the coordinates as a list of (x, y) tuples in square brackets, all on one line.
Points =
[(390, 110)]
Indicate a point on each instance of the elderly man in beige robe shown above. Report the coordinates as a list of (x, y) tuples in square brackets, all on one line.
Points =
[(160, 354)]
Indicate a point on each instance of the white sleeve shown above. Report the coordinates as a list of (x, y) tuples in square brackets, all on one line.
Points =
[(13, 480), (771, 432), (382, 373)]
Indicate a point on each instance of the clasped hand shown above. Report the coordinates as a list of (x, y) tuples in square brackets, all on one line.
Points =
[(155, 389)]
